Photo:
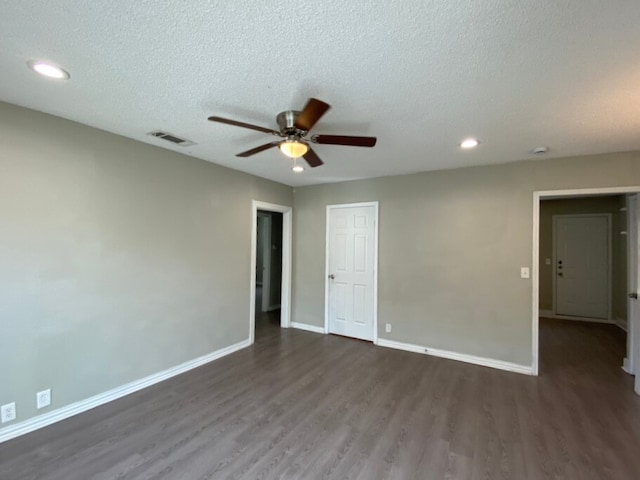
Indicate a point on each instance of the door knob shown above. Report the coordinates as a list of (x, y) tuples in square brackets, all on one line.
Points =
[(633, 295), (332, 276)]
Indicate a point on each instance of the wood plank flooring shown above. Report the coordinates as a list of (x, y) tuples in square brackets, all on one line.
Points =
[(300, 405)]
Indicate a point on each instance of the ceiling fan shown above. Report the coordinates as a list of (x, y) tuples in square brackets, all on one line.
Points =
[(294, 128)]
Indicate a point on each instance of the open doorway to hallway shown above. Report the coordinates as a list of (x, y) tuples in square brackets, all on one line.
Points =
[(586, 274), (286, 213), (268, 274)]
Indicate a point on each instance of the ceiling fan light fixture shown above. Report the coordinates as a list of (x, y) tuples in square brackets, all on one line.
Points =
[(293, 148)]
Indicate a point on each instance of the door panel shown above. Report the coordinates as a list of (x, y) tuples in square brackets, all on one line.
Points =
[(340, 291), (582, 266), (351, 263), (360, 304)]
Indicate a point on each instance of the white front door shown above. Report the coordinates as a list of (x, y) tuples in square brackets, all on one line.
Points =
[(582, 265), (351, 270)]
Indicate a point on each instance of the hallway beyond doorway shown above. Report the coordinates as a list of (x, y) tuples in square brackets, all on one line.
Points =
[(265, 320)]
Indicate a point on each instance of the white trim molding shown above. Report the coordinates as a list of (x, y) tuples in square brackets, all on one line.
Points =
[(621, 323), (626, 367), (285, 296), (76, 408), (307, 327), (572, 318), (460, 357)]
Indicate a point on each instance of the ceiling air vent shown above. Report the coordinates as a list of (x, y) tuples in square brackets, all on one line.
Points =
[(169, 137)]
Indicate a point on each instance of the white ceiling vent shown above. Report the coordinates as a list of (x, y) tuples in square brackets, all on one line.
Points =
[(169, 137)]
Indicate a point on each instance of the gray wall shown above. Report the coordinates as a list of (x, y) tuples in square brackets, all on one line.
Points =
[(117, 259), (578, 206), (451, 246)]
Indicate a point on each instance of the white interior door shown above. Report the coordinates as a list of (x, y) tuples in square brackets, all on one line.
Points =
[(351, 264), (582, 265)]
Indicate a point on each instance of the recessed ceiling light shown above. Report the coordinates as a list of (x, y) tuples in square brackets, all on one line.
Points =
[(48, 69), (469, 143)]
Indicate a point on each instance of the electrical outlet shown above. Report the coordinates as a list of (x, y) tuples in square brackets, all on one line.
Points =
[(387, 327), (8, 412), (43, 398)]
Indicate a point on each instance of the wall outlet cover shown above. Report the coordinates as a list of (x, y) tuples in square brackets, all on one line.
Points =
[(387, 327), (43, 398), (8, 412)]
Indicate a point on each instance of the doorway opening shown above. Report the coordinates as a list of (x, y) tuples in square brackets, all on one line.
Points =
[(268, 269), (585, 272), (270, 301)]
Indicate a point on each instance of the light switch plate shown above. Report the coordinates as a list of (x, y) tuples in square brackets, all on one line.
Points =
[(547, 261), (524, 272)]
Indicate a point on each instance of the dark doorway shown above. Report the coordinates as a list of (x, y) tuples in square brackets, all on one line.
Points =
[(268, 270)]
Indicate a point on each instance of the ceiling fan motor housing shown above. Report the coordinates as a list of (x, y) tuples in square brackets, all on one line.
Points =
[(287, 122)]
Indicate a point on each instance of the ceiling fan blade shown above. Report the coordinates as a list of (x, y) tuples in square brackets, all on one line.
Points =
[(344, 140), (312, 158), (259, 149), (241, 124), (313, 110)]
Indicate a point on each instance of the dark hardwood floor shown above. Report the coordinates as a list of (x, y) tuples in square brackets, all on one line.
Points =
[(310, 406)]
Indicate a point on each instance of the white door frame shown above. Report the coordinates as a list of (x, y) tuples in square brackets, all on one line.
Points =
[(373, 204), (554, 259), (285, 298), (535, 274)]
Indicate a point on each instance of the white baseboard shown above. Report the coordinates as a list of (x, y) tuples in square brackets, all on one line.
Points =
[(67, 411), (626, 366), (308, 328), (550, 314), (622, 323), (461, 357)]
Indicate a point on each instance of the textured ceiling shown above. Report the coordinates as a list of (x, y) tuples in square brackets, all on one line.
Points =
[(420, 75)]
